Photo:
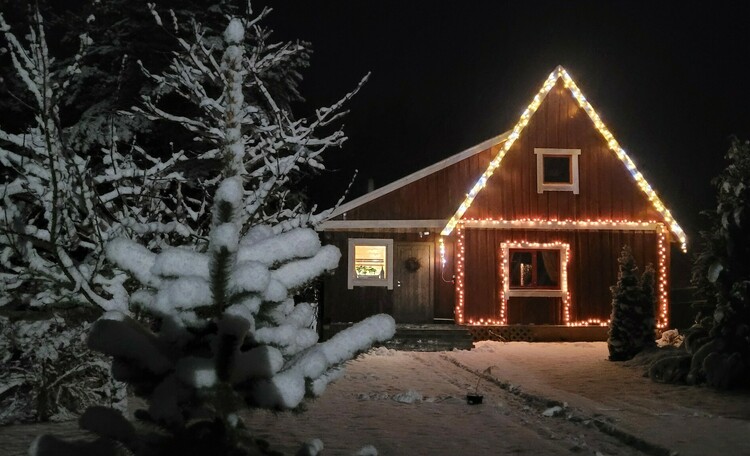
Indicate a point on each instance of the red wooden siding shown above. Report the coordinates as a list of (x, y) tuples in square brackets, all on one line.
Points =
[(432, 197), (607, 190), (592, 269), (343, 305)]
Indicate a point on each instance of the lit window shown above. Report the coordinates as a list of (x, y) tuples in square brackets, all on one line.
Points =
[(370, 263), (534, 269), (557, 170)]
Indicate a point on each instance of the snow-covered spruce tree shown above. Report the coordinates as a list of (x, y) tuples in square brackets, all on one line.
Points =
[(626, 323), (720, 345), (229, 334), (279, 147)]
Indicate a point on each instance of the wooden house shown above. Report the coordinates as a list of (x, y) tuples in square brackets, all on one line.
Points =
[(522, 229)]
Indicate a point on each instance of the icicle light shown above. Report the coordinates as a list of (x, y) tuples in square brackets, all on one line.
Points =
[(612, 143)]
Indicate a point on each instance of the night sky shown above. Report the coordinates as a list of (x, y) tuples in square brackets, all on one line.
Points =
[(669, 81)]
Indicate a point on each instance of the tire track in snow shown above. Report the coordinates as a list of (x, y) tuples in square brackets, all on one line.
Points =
[(601, 424)]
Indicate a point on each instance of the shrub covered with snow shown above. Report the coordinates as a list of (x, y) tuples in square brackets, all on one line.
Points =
[(48, 373), (632, 324)]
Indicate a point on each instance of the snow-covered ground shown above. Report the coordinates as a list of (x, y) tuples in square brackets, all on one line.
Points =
[(407, 403), (414, 403)]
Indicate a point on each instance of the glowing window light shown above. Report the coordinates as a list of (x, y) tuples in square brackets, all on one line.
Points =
[(612, 143)]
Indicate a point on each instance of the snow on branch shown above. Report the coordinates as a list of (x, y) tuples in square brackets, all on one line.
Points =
[(242, 85), (63, 202)]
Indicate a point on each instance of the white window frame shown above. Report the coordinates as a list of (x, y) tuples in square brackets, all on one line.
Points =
[(353, 281), (541, 186)]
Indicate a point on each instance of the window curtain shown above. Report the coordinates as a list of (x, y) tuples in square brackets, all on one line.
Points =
[(551, 260)]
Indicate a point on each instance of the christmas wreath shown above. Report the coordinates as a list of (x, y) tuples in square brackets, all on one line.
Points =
[(412, 264)]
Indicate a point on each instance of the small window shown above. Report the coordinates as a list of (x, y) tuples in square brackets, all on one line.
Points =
[(534, 269), (557, 170), (370, 263)]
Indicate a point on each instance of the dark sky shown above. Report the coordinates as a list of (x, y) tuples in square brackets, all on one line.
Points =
[(669, 80)]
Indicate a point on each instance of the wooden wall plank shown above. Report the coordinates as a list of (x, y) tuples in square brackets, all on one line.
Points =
[(607, 190), (593, 267)]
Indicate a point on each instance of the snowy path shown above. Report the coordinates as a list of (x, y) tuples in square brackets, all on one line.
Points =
[(361, 409), (611, 409)]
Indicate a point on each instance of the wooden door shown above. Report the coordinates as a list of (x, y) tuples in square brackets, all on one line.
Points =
[(413, 266)]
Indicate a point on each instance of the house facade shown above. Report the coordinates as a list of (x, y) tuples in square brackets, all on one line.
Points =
[(522, 229)]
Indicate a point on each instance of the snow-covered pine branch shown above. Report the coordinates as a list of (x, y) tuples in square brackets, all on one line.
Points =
[(62, 202), (255, 80)]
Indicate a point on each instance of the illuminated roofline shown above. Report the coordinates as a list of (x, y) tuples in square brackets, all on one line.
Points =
[(612, 143)]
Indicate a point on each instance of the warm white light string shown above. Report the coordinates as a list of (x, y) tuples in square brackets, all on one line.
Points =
[(612, 143)]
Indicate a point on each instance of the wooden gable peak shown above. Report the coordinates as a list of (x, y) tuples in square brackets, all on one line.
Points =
[(612, 143)]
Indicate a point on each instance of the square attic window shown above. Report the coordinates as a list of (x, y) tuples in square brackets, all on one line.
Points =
[(557, 170)]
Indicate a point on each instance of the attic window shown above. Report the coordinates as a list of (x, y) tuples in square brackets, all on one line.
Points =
[(370, 263), (557, 170)]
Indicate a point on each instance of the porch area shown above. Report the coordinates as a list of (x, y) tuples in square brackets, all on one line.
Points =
[(447, 337)]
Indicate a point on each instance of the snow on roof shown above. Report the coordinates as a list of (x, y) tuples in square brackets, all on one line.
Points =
[(558, 73), (366, 198)]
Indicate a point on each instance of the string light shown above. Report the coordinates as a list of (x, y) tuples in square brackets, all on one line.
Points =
[(441, 244), (662, 289), (505, 286), (502, 320), (590, 322), (612, 143), (459, 312), (561, 224)]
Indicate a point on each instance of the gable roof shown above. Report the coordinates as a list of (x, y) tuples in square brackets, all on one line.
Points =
[(612, 143), (367, 197)]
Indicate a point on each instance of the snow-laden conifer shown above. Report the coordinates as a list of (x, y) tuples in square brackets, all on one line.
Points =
[(719, 342), (632, 323), (228, 332)]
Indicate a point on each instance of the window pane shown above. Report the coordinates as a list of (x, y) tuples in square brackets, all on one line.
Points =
[(370, 262), (557, 170), (521, 272)]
